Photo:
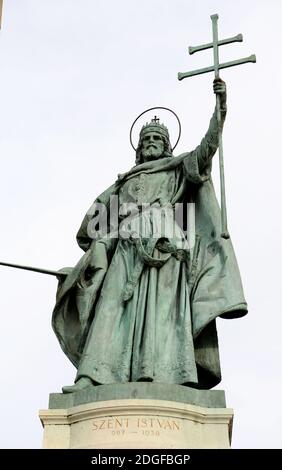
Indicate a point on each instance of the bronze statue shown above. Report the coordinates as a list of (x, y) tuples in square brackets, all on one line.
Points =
[(142, 302), (140, 305)]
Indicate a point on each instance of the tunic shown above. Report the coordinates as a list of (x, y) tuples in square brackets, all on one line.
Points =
[(148, 336), (151, 314)]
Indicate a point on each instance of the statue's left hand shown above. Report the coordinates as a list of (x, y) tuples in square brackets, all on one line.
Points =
[(219, 88)]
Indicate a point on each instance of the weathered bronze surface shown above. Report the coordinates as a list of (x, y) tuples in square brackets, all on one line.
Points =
[(141, 305)]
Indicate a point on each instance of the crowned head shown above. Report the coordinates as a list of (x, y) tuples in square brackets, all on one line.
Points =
[(153, 142)]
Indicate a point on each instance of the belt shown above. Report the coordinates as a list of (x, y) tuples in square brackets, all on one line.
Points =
[(145, 258)]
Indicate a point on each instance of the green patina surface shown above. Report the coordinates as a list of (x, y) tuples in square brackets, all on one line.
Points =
[(143, 308)]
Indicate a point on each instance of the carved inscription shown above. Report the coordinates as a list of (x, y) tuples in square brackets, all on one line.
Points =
[(148, 426)]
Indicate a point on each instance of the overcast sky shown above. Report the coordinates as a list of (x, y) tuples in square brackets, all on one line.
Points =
[(74, 75)]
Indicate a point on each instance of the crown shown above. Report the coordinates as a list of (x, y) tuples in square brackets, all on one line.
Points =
[(154, 126)]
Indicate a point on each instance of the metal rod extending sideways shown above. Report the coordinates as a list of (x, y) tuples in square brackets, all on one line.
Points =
[(37, 270)]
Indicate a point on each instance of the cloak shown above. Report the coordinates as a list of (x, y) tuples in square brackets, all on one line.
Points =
[(214, 278)]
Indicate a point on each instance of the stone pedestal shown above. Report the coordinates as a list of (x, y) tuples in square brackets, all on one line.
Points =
[(138, 415)]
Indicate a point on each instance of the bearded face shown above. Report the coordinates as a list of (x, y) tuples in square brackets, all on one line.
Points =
[(152, 146)]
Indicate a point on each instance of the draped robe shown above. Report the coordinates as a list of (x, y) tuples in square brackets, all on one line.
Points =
[(151, 316)]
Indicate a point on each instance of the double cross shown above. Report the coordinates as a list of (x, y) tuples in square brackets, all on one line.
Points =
[(215, 68)]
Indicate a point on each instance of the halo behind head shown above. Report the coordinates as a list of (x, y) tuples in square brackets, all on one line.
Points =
[(155, 126)]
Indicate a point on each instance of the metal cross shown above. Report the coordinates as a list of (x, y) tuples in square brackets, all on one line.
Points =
[(215, 68)]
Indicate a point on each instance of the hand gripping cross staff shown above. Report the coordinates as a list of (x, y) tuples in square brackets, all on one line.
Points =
[(215, 68), (61, 274)]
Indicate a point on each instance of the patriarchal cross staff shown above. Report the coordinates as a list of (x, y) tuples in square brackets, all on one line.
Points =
[(215, 68)]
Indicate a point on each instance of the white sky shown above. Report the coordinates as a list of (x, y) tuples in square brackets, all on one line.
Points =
[(74, 75)]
